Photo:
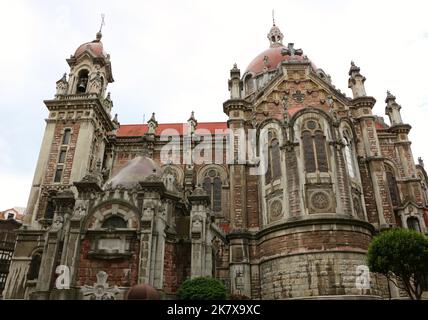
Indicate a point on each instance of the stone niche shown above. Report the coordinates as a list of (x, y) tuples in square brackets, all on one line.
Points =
[(109, 246)]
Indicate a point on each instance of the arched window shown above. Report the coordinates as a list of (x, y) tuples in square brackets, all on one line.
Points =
[(273, 171), (314, 147), (413, 223), (213, 185), (82, 81), (66, 137), (249, 84), (424, 189), (33, 271), (114, 222), (392, 186), (349, 158)]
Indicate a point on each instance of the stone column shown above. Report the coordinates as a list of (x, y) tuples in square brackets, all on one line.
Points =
[(200, 234)]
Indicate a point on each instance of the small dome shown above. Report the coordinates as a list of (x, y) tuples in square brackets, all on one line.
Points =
[(94, 47), (142, 292), (135, 171)]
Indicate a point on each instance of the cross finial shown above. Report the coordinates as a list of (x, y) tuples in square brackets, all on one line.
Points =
[(102, 21)]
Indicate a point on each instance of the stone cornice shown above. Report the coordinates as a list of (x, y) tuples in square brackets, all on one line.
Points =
[(365, 101), (235, 104), (400, 128), (244, 234), (81, 101)]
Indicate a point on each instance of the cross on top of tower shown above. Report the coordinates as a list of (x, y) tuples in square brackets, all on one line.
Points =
[(99, 34)]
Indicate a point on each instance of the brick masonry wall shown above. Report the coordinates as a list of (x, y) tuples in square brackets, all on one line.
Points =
[(292, 181), (176, 265), (343, 182), (252, 201), (372, 214), (54, 152), (123, 273)]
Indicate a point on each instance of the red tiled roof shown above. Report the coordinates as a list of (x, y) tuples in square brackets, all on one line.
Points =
[(137, 130), (379, 125)]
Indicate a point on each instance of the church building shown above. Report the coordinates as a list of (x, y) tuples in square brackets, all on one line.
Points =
[(287, 214)]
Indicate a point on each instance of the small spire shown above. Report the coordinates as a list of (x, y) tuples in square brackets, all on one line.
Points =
[(389, 96), (63, 79), (152, 118), (152, 124), (192, 116), (273, 17)]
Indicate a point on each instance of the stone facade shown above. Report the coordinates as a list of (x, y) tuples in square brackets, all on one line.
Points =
[(290, 218)]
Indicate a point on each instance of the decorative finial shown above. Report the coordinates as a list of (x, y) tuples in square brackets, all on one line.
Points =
[(273, 16), (275, 36), (99, 34), (192, 118), (389, 97), (353, 68), (421, 162), (152, 117)]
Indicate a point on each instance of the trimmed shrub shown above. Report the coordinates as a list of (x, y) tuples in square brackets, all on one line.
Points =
[(202, 288)]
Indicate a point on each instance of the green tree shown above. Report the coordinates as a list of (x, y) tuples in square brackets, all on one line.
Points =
[(402, 256), (202, 288)]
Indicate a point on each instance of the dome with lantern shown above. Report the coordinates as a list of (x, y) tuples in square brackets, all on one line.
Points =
[(272, 57)]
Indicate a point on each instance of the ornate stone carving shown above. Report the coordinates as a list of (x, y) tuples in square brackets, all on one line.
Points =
[(57, 224), (62, 85), (298, 96), (100, 290), (320, 201), (96, 83), (358, 209), (275, 210)]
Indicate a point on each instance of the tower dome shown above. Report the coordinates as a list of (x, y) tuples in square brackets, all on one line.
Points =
[(95, 48)]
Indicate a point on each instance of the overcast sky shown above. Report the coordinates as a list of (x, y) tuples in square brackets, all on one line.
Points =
[(172, 57)]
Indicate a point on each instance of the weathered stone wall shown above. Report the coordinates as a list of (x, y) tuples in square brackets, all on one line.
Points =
[(314, 274), (314, 259)]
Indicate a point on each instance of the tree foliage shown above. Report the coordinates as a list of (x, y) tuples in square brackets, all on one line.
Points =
[(402, 256), (202, 288)]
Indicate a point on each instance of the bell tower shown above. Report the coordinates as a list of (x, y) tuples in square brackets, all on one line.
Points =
[(73, 146), (77, 126)]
